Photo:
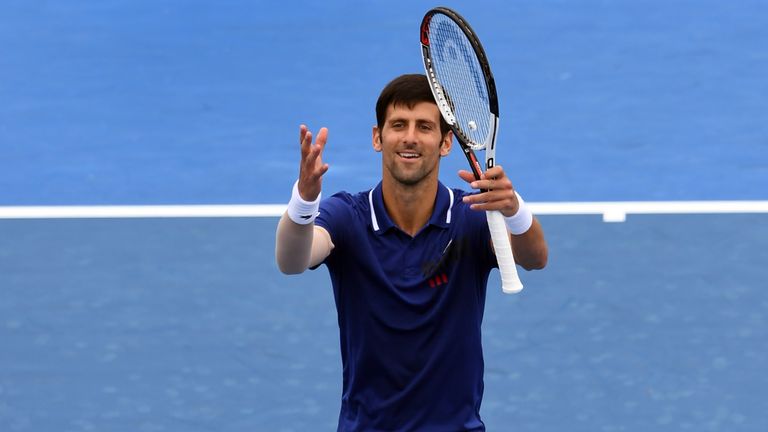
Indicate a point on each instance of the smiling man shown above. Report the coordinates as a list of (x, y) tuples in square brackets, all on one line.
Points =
[(409, 262)]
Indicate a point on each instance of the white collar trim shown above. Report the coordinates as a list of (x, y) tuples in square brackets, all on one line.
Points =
[(375, 222)]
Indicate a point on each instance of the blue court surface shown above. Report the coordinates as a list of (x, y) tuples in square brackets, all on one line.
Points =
[(659, 323)]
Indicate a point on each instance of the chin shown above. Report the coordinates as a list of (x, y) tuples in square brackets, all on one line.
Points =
[(411, 180), (409, 177)]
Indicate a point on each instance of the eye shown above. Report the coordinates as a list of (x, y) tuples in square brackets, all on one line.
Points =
[(426, 127)]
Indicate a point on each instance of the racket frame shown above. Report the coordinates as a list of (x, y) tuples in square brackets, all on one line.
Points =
[(510, 279)]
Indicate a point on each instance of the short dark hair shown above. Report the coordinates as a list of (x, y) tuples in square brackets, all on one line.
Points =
[(409, 90)]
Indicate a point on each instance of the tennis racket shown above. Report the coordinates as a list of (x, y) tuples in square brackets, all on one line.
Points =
[(461, 81)]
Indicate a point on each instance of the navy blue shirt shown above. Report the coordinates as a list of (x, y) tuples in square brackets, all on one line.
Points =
[(409, 312)]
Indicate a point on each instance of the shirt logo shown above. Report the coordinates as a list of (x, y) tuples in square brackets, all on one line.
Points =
[(438, 280), (437, 270)]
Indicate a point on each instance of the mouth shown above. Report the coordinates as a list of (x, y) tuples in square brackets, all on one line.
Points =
[(409, 155)]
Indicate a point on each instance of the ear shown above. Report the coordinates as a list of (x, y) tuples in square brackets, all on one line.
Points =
[(376, 139), (445, 146)]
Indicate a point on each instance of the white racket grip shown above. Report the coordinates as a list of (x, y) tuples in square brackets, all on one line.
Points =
[(510, 281)]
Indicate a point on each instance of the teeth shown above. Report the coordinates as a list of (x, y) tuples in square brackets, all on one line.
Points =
[(408, 155)]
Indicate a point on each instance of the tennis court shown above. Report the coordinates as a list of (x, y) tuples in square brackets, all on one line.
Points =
[(125, 323)]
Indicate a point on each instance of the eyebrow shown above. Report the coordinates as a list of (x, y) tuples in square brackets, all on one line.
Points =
[(418, 121)]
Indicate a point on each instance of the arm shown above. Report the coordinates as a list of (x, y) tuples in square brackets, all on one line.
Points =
[(529, 247), (300, 245)]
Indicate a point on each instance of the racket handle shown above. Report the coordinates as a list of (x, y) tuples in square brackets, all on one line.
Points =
[(510, 281)]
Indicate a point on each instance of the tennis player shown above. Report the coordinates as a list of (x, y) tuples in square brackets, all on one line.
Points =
[(409, 262)]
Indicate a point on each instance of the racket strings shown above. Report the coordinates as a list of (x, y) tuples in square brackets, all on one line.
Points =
[(460, 75)]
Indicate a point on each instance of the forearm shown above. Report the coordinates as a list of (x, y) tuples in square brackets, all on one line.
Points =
[(293, 245), (299, 247), (530, 248)]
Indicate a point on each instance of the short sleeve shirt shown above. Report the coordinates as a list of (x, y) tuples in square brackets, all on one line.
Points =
[(409, 312)]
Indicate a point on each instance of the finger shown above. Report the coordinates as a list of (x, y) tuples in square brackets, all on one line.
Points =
[(495, 172), (477, 198), (503, 197), (492, 184), (323, 169), (305, 137), (313, 180), (492, 206), (306, 143), (322, 138), (500, 178), (467, 176), (302, 132), (315, 150), (315, 154), (487, 184), (481, 207), (478, 201)]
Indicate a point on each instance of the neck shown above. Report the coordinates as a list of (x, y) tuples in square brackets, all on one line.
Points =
[(409, 206)]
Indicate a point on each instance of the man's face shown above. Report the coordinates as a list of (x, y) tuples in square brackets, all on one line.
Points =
[(411, 143)]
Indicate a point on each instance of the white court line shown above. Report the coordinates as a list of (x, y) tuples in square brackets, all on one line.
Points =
[(141, 211), (617, 211), (611, 211)]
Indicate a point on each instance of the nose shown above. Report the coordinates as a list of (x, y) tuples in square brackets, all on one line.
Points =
[(410, 135)]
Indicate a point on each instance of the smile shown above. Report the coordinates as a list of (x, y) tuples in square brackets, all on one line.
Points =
[(408, 155)]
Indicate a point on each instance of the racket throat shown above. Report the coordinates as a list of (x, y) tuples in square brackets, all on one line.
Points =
[(477, 171)]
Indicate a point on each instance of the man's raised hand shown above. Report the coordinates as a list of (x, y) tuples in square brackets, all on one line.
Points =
[(312, 167)]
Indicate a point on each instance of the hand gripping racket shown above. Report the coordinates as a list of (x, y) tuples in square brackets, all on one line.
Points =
[(461, 81)]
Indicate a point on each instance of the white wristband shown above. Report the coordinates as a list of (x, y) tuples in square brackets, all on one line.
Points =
[(300, 211), (521, 221)]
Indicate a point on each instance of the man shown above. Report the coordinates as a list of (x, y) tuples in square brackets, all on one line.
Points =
[(409, 261)]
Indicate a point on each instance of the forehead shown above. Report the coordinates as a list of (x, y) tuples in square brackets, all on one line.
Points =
[(420, 111)]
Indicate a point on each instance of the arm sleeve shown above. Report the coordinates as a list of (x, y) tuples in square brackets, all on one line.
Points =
[(336, 214)]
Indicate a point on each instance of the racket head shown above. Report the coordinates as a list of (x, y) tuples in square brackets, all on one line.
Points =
[(460, 78), (465, 92)]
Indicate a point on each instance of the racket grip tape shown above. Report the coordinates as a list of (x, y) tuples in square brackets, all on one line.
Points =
[(510, 281)]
